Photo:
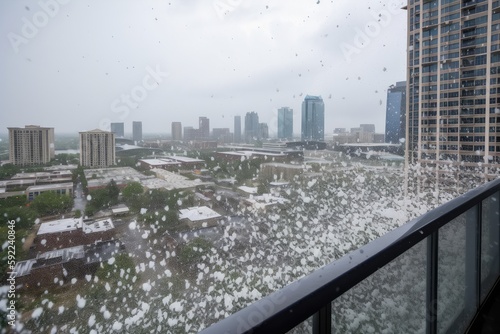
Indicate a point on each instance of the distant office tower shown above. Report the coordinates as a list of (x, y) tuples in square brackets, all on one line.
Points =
[(222, 135), (264, 130), (97, 148), (137, 131), (31, 145), (252, 127), (204, 128), (176, 131), (453, 82), (237, 129), (190, 133), (118, 129), (313, 118), (285, 123), (368, 128), (395, 116)]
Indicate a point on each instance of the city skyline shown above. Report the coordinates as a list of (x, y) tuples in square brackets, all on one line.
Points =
[(257, 57)]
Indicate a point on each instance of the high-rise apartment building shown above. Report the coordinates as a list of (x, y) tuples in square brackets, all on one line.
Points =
[(313, 118), (395, 114), (285, 123), (118, 129), (252, 127), (176, 131), (97, 148), (453, 82), (31, 145), (237, 129), (137, 131), (204, 128)]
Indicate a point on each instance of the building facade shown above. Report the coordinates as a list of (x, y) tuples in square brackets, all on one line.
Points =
[(395, 114), (252, 127), (313, 118), (118, 129), (176, 131), (237, 129), (204, 128), (137, 131), (97, 148), (285, 123), (453, 80), (31, 145)]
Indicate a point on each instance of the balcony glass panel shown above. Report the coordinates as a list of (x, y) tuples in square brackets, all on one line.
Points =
[(392, 300), (490, 244), (452, 280)]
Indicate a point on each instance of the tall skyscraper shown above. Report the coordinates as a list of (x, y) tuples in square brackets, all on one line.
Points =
[(204, 128), (313, 118), (237, 129), (137, 131), (97, 148), (31, 145), (285, 123), (453, 81), (118, 129), (395, 115), (264, 130), (176, 131), (252, 127)]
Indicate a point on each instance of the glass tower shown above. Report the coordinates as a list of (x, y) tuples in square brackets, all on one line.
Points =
[(313, 118)]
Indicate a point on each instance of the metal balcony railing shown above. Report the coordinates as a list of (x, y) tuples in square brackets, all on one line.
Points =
[(429, 276)]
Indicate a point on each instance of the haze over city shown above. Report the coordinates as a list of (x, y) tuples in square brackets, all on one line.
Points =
[(78, 65)]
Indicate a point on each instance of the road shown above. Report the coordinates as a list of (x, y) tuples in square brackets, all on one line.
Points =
[(79, 198)]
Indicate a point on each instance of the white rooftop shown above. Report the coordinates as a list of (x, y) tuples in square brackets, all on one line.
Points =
[(98, 226), (248, 190), (198, 213), (53, 186), (61, 225), (175, 181), (159, 162)]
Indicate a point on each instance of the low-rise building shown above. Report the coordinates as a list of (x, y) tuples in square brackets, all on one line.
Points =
[(59, 188), (71, 232), (199, 217)]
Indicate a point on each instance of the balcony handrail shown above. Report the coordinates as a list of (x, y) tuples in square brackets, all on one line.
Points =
[(284, 309)]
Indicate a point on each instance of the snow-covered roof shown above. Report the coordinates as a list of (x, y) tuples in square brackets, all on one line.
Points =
[(198, 213)]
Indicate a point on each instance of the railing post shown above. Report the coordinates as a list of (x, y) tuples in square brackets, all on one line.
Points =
[(432, 283), (322, 320), (472, 259)]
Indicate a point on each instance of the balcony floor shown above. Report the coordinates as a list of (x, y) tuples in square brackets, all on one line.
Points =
[(491, 318)]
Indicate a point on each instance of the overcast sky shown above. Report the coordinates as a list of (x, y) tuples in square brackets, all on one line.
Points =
[(76, 65)]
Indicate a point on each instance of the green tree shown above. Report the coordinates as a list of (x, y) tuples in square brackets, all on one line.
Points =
[(192, 252), (132, 195), (113, 192), (50, 203), (8, 170)]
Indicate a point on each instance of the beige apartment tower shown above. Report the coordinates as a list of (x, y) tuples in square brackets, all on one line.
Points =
[(177, 131), (97, 149), (453, 100), (31, 145)]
